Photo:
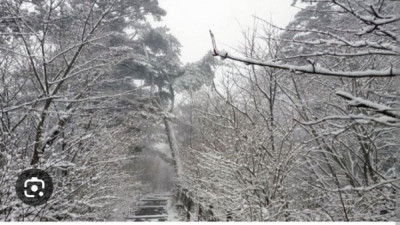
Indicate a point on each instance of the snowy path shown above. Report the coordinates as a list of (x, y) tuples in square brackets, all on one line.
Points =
[(155, 207)]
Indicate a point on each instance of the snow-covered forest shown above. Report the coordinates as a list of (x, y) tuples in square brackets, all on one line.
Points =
[(296, 123)]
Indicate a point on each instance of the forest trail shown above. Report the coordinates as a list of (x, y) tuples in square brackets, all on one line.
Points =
[(154, 207)]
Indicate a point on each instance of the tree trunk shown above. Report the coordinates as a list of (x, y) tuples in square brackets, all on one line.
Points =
[(173, 146)]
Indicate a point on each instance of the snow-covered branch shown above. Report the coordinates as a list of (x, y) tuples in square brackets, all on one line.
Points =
[(363, 103), (310, 69), (368, 188), (359, 118)]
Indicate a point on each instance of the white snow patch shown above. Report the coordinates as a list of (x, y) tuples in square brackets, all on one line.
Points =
[(163, 148)]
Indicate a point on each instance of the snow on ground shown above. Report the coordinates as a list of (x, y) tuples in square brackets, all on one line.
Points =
[(162, 148)]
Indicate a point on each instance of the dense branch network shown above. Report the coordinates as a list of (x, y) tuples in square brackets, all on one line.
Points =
[(376, 37)]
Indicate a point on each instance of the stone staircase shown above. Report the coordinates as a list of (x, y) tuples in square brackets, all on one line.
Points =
[(151, 208)]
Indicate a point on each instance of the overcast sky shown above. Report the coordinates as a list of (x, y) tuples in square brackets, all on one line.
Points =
[(190, 21)]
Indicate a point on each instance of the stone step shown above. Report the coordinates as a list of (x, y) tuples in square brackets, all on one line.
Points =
[(161, 217)]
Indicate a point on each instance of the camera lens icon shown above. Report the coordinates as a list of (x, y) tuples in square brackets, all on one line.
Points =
[(34, 187)]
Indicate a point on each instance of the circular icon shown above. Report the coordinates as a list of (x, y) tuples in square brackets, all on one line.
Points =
[(34, 187)]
